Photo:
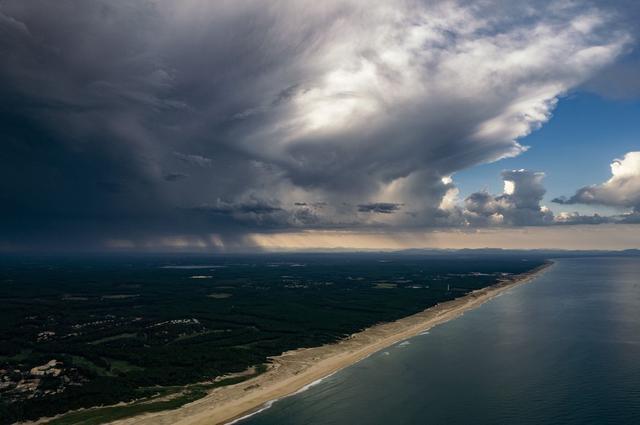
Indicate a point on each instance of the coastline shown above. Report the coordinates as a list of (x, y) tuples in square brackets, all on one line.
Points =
[(294, 371)]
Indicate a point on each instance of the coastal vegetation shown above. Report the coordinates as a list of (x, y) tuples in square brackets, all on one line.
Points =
[(154, 333)]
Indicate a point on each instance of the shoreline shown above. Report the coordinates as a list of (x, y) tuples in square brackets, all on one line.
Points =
[(295, 371)]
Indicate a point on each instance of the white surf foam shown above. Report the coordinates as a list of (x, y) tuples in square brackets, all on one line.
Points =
[(264, 407), (270, 403)]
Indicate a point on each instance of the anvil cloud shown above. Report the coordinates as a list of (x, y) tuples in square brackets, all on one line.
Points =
[(150, 119)]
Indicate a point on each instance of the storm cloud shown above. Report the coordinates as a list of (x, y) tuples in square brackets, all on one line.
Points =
[(519, 205), (380, 207), (146, 120)]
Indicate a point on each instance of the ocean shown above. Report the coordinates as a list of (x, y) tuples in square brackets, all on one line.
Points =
[(563, 349)]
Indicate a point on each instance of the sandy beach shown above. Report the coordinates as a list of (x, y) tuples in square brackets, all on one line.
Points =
[(294, 370)]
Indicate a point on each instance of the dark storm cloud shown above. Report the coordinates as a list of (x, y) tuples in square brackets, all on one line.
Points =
[(380, 207), (263, 104), (519, 205), (256, 207), (174, 177), (198, 160)]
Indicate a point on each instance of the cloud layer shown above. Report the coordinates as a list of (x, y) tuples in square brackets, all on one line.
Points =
[(519, 205), (621, 190), (152, 119)]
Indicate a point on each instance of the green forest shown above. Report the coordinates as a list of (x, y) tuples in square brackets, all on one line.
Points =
[(82, 332)]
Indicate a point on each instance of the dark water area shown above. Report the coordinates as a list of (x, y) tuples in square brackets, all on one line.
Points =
[(563, 349)]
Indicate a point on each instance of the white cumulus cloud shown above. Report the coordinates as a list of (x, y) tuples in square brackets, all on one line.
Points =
[(621, 190)]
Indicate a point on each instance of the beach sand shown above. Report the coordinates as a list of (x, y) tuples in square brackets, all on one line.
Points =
[(292, 371)]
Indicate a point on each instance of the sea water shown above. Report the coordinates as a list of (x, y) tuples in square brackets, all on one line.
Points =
[(563, 349)]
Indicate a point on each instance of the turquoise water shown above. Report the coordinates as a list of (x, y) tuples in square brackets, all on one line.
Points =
[(564, 349)]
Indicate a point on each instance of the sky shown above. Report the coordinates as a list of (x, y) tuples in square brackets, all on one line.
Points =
[(586, 128), (246, 125)]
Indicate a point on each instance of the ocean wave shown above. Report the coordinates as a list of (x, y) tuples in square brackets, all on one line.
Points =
[(264, 407), (313, 384), (270, 403)]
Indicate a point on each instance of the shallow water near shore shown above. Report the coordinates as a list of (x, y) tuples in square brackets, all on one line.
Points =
[(563, 349)]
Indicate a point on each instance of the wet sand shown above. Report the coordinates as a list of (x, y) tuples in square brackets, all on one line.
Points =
[(294, 370)]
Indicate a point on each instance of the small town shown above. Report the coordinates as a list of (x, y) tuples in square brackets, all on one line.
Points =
[(44, 380)]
